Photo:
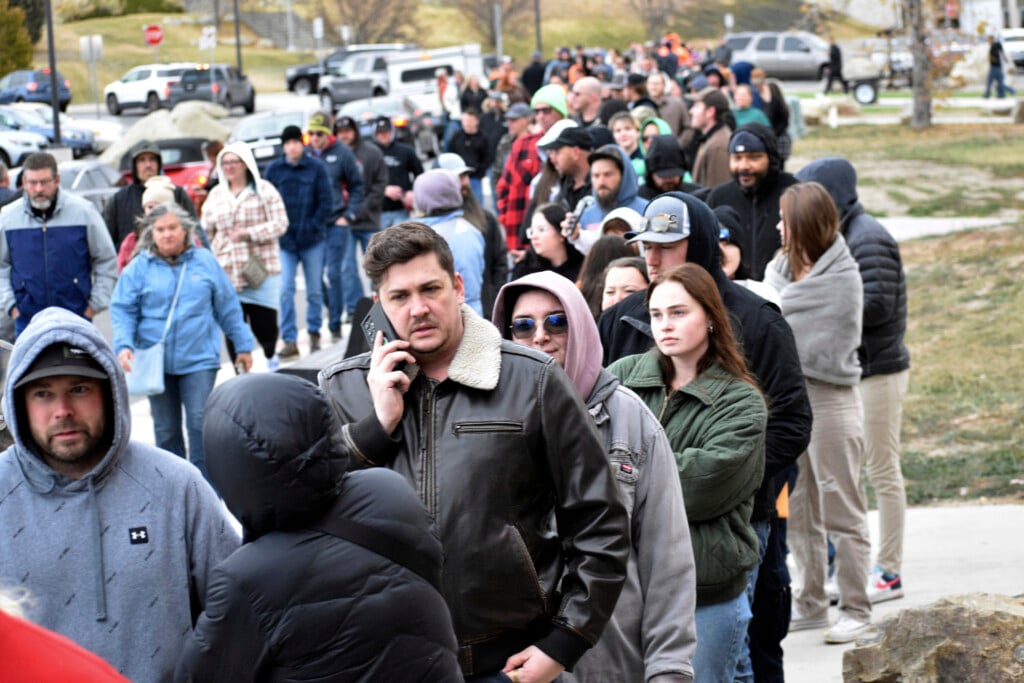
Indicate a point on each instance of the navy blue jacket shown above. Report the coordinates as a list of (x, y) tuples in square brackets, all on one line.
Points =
[(305, 188)]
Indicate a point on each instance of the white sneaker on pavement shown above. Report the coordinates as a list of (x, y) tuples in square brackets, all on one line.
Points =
[(883, 586), (846, 630), (798, 622)]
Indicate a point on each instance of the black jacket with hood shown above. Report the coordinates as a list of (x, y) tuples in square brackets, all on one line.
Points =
[(125, 207), (759, 206), (882, 351), (295, 603), (375, 178), (765, 337), (664, 152)]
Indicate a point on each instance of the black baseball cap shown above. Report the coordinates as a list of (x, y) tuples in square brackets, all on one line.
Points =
[(345, 122), (62, 359)]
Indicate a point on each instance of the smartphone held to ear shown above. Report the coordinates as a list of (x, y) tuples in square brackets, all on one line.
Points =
[(377, 320)]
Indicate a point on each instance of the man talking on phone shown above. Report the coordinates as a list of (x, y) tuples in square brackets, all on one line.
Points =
[(497, 444)]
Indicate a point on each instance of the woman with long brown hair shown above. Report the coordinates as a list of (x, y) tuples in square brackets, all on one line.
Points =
[(697, 383), (821, 297)]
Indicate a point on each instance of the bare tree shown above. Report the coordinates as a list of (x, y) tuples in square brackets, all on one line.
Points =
[(918, 13), (481, 13), (655, 15), (376, 21)]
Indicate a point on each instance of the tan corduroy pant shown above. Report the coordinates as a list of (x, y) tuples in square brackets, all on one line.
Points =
[(829, 502), (882, 397)]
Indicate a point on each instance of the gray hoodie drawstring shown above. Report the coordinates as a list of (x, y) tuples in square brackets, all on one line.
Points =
[(101, 586)]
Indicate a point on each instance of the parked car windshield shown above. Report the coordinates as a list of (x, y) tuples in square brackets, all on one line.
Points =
[(267, 126)]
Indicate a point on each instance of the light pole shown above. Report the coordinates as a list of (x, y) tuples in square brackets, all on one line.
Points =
[(54, 94)]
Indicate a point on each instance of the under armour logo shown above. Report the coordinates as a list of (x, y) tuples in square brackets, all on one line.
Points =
[(138, 535)]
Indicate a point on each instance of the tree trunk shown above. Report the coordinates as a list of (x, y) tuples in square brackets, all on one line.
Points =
[(917, 17)]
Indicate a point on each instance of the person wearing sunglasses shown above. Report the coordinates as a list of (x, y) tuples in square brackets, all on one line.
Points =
[(496, 442), (651, 635), (347, 191)]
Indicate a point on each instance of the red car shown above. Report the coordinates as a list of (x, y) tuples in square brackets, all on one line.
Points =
[(183, 162)]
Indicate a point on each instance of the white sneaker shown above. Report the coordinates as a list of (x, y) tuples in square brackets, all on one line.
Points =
[(846, 630), (882, 586), (273, 363), (798, 622)]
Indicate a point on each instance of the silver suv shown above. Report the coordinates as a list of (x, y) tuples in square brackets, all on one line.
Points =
[(782, 54), (360, 75), (218, 83)]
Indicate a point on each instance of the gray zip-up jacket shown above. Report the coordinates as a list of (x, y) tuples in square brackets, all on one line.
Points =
[(117, 561)]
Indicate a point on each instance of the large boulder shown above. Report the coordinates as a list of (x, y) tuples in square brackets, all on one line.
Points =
[(975, 637)]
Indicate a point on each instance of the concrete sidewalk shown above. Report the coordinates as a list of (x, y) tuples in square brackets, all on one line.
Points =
[(948, 550)]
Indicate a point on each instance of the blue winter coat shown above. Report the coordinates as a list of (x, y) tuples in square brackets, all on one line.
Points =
[(207, 304), (305, 188)]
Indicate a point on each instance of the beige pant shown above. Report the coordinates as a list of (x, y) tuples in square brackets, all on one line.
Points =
[(829, 502), (882, 397)]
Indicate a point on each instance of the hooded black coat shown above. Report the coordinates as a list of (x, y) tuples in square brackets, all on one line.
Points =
[(123, 210), (758, 207), (294, 603), (765, 337), (882, 351)]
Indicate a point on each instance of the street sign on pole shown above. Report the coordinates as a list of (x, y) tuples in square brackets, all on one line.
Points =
[(208, 38), (729, 21), (91, 48), (154, 35)]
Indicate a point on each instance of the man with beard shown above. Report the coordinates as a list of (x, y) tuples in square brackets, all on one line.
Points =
[(666, 168), (125, 207), (615, 184), (56, 247), (758, 183), (711, 155), (567, 149)]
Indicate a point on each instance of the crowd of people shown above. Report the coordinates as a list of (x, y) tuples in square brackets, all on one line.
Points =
[(617, 398)]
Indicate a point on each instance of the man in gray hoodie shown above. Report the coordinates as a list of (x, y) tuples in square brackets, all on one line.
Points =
[(115, 540)]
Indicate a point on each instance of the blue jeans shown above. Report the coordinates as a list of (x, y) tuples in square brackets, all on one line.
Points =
[(338, 237), (721, 629), (995, 75), (389, 218), (312, 260), (189, 391), (350, 268), (744, 669)]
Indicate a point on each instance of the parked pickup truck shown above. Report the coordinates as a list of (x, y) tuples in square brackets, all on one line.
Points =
[(304, 79)]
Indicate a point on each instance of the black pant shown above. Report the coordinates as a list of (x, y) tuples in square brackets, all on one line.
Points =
[(836, 75), (263, 322)]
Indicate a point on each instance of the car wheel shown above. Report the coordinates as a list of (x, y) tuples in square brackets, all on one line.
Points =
[(227, 103), (64, 106), (865, 92), (113, 106), (326, 101), (250, 105), (152, 101), (302, 86)]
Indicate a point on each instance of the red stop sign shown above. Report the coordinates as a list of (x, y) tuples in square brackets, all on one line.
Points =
[(153, 34)]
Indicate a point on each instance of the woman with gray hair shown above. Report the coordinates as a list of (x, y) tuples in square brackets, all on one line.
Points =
[(178, 293)]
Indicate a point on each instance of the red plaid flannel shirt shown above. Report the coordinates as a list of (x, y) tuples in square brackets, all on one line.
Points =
[(514, 185)]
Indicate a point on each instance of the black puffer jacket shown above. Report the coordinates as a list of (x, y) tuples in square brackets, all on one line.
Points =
[(295, 604), (767, 342), (882, 351), (497, 451), (758, 207)]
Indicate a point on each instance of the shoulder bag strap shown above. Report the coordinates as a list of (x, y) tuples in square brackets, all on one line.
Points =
[(380, 543), (174, 303)]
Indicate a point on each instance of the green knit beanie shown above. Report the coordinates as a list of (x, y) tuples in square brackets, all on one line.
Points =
[(552, 95)]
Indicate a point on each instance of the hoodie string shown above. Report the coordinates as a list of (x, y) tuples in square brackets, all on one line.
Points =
[(101, 588)]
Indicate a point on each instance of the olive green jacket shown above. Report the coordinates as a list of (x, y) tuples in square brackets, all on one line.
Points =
[(716, 427)]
